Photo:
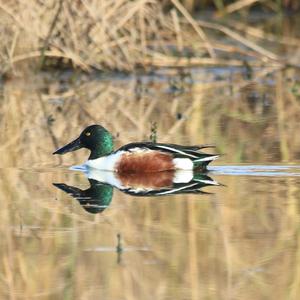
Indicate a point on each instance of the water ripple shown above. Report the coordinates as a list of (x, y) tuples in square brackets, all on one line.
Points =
[(258, 170)]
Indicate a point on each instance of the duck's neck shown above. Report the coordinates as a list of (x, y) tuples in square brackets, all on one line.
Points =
[(103, 147)]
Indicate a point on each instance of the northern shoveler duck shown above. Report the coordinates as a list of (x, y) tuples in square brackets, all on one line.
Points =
[(99, 195), (136, 157)]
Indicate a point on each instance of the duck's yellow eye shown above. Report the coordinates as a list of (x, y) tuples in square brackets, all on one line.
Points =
[(88, 134)]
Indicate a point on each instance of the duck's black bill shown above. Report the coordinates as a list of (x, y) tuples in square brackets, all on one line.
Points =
[(75, 145)]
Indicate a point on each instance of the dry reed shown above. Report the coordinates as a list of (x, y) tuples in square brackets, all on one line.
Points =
[(122, 35)]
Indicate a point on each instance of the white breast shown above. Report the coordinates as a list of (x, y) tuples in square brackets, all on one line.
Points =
[(107, 163)]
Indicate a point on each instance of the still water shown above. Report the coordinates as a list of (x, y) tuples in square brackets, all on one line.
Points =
[(239, 240), (236, 240)]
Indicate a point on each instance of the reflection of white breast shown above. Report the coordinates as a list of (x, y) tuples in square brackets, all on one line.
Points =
[(104, 176), (106, 162)]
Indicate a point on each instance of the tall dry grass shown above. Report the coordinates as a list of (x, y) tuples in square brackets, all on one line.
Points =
[(124, 35)]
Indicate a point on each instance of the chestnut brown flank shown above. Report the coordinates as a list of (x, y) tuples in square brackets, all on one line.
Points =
[(152, 161), (147, 180)]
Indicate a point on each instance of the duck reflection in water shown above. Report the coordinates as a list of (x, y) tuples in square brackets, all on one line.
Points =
[(99, 195), (94, 199)]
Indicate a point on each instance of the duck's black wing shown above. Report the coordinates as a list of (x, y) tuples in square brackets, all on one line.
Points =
[(178, 151)]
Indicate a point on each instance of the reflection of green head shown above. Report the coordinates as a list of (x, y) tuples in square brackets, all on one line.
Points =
[(100, 197), (94, 199)]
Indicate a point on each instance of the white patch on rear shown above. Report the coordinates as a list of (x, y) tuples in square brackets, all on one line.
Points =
[(107, 163), (183, 163)]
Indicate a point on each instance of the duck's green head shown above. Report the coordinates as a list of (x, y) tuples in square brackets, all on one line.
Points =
[(95, 138)]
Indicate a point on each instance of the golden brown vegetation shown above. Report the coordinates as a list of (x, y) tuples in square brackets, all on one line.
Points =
[(124, 35), (239, 243)]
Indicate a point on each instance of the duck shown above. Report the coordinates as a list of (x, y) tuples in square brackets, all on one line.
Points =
[(137, 157), (98, 196), (152, 184)]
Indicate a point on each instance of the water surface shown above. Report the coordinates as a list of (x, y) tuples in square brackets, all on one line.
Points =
[(239, 240)]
